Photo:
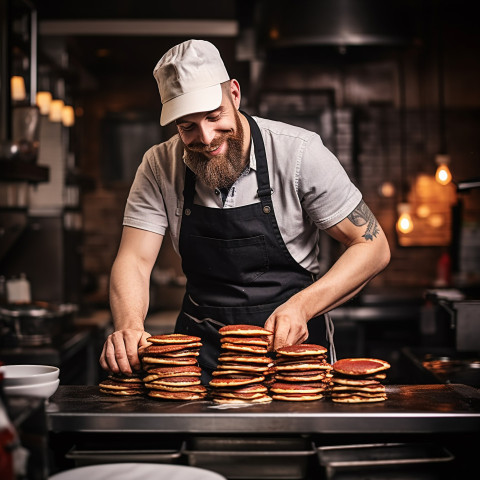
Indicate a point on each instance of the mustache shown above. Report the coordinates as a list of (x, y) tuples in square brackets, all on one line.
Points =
[(202, 148)]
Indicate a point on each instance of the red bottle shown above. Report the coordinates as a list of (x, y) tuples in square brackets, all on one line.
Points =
[(8, 438)]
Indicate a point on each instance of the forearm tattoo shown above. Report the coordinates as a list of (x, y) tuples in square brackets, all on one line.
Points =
[(362, 215)]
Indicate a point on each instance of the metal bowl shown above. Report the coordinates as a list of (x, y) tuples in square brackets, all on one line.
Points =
[(29, 375)]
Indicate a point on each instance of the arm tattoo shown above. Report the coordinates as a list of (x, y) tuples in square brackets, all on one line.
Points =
[(362, 215)]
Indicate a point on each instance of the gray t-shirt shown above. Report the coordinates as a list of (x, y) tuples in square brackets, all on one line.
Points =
[(311, 190)]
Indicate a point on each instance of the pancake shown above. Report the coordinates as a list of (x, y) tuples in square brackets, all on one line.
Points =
[(244, 348), (176, 395), (153, 350), (176, 381), (172, 338), (235, 380), (360, 366), (293, 397), (185, 371), (263, 340), (356, 388), (297, 388), (302, 350), (242, 367), (150, 363), (128, 392), (134, 378), (246, 389), (244, 330), (186, 352), (110, 384), (299, 366), (184, 388), (225, 400), (354, 381), (244, 358), (299, 377), (358, 399)]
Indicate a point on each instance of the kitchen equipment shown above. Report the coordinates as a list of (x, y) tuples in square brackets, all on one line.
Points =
[(251, 457), (15, 375), (136, 471), (30, 324), (382, 461)]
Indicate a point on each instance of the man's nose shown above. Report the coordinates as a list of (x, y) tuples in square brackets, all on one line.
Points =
[(206, 133)]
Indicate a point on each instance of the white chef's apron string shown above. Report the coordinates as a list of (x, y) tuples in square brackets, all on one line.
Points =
[(330, 330)]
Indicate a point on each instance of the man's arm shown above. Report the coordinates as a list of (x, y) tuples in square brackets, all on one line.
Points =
[(367, 253), (129, 299)]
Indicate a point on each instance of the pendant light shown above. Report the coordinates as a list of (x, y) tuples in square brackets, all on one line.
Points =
[(17, 88), (442, 175), (404, 223)]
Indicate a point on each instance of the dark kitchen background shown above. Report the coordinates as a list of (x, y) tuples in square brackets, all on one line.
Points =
[(392, 88)]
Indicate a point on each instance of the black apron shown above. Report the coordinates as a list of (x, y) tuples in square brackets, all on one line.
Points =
[(237, 265)]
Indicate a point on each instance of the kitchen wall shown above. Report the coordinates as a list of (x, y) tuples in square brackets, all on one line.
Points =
[(383, 123)]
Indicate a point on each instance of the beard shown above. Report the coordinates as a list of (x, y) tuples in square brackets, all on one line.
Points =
[(220, 171)]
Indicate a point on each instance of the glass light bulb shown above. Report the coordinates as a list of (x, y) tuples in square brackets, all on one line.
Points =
[(443, 175)]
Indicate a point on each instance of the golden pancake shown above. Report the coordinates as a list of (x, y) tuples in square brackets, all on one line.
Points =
[(115, 385), (243, 367), (299, 367), (173, 361), (246, 340), (154, 350), (235, 380), (248, 330), (184, 388), (360, 366), (293, 397), (302, 350), (125, 393), (172, 338), (356, 388), (244, 348), (185, 371), (244, 358), (176, 381), (225, 400), (297, 388), (187, 352), (176, 395), (354, 381), (358, 399), (134, 378)]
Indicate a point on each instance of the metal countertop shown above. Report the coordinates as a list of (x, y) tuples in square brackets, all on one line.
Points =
[(409, 409)]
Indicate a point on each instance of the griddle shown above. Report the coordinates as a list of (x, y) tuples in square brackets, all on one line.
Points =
[(451, 408)]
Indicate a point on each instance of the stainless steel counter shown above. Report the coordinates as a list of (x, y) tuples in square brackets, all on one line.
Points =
[(409, 409)]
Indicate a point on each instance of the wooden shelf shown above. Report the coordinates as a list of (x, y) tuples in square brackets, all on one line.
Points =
[(23, 172)]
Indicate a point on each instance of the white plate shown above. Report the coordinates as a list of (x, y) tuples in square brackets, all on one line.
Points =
[(43, 390), (137, 471), (29, 374)]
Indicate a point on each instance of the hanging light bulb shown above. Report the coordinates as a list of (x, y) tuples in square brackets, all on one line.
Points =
[(55, 114), (443, 175), (404, 222), (43, 100), (68, 116), (17, 88)]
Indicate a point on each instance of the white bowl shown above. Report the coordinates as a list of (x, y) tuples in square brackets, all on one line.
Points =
[(42, 390), (29, 374)]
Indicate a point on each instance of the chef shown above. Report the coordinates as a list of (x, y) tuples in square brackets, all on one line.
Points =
[(244, 200)]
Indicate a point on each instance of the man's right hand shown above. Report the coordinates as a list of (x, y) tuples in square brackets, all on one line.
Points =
[(120, 351)]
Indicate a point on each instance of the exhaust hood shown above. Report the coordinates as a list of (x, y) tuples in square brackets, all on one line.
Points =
[(337, 22)]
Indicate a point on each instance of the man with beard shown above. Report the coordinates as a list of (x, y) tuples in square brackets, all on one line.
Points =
[(244, 200)]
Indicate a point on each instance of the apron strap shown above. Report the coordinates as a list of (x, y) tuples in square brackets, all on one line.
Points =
[(330, 330), (188, 189)]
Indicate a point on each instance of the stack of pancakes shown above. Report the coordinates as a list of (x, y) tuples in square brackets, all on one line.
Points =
[(243, 366), (358, 380), (302, 373), (122, 385), (171, 366)]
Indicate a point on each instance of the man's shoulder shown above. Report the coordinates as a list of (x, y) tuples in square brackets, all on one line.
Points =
[(169, 148), (277, 128)]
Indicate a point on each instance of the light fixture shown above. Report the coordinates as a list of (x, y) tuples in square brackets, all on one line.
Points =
[(443, 175), (68, 116), (17, 88), (43, 101), (404, 222), (387, 189), (55, 114)]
